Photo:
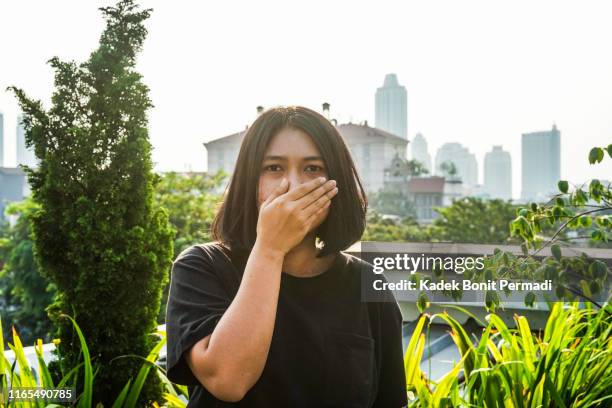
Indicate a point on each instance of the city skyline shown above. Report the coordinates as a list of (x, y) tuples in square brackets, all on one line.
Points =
[(485, 85)]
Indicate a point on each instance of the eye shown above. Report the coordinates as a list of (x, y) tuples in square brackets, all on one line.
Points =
[(272, 167), (314, 168)]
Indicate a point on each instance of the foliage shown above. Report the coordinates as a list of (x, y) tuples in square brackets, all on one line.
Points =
[(575, 208), (448, 168), (24, 293), (574, 278), (191, 205), (568, 365), (387, 230), (393, 201), (416, 168), (473, 219), (97, 234), (21, 373)]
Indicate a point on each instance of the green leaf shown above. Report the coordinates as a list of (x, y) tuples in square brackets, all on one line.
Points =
[(85, 399), (121, 398), (423, 302), (132, 397), (596, 155), (609, 149), (556, 251), (598, 269), (530, 299), (563, 186), (586, 221)]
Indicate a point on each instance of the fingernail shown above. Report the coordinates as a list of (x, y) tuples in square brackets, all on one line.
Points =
[(321, 180)]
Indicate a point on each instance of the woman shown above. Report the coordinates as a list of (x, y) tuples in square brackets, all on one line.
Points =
[(270, 314)]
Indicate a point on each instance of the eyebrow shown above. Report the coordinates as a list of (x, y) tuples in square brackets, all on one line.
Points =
[(307, 158)]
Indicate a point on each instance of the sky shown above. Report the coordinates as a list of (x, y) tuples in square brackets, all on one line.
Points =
[(480, 73)]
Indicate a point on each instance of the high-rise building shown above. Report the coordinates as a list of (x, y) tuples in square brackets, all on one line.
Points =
[(420, 152), (463, 162), (1, 140), (540, 164), (498, 174), (392, 107), (25, 155)]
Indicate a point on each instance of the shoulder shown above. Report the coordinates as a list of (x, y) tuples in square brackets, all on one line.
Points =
[(201, 259), (206, 252)]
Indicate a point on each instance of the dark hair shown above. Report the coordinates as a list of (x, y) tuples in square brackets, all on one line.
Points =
[(235, 224)]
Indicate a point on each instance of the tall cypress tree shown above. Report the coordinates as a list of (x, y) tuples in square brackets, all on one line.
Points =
[(98, 235)]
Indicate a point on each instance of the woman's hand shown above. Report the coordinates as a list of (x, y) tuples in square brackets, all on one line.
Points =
[(286, 217)]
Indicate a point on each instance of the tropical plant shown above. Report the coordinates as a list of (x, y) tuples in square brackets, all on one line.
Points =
[(568, 365), (21, 373)]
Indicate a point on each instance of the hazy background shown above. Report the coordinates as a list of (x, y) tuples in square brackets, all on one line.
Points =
[(477, 72)]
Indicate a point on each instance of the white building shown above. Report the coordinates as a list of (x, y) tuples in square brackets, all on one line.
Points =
[(392, 107), (372, 150), (464, 162), (420, 151), (540, 164), (498, 174)]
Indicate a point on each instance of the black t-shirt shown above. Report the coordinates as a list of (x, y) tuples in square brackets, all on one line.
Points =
[(328, 349)]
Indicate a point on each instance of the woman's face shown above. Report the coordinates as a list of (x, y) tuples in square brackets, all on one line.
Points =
[(291, 154)]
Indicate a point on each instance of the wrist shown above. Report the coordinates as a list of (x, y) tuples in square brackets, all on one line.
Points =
[(268, 251)]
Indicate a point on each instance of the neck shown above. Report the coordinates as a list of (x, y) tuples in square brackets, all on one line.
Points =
[(301, 260)]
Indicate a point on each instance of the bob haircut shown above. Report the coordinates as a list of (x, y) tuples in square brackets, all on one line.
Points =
[(235, 224)]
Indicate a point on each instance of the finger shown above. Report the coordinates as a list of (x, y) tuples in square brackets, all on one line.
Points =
[(314, 215), (314, 195), (279, 190), (320, 202), (304, 189)]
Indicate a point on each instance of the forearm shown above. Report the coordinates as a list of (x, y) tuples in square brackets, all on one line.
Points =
[(240, 343)]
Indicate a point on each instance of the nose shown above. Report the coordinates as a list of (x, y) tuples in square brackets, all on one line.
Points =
[(294, 179)]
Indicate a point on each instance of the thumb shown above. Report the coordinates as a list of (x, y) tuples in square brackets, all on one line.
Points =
[(279, 190)]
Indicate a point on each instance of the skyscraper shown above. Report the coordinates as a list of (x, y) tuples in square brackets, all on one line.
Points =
[(540, 164), (392, 107), (498, 173), (420, 151), (1, 140), (25, 155), (463, 161)]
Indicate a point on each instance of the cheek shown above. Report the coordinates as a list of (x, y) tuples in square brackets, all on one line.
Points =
[(264, 190)]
